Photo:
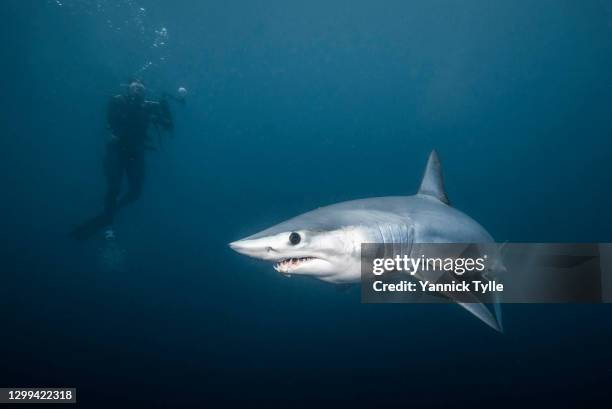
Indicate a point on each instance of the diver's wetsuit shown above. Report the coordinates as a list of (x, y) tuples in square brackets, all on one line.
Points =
[(128, 120)]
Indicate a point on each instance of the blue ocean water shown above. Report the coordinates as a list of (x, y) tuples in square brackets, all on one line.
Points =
[(294, 105)]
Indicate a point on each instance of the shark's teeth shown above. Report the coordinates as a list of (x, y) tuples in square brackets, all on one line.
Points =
[(289, 264)]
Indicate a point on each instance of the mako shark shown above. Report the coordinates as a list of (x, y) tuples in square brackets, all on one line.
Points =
[(325, 243)]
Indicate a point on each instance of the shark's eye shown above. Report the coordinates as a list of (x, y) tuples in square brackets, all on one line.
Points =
[(294, 238)]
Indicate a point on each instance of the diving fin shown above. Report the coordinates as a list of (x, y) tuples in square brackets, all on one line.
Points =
[(90, 227)]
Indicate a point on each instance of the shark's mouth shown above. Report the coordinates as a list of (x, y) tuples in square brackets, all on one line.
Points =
[(289, 264)]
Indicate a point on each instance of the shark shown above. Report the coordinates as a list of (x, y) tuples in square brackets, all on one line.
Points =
[(325, 243)]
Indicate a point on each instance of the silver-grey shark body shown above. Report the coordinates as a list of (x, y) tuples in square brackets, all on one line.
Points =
[(326, 242)]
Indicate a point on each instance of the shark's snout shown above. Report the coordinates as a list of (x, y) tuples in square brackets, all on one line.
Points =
[(241, 246), (252, 248)]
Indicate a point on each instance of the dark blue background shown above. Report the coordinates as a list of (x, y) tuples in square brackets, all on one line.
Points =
[(294, 105)]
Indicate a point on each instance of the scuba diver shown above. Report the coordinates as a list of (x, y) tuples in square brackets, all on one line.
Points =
[(128, 119)]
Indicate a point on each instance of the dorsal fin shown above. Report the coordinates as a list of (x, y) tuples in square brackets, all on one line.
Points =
[(432, 183)]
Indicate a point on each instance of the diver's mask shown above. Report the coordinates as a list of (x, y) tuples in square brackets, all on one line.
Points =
[(136, 92)]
